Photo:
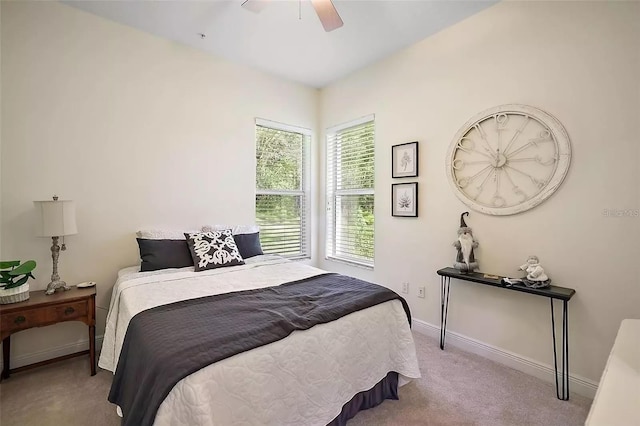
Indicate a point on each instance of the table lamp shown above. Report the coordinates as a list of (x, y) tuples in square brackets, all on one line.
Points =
[(55, 218)]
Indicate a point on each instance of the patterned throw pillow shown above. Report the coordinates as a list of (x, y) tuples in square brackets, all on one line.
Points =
[(215, 249)]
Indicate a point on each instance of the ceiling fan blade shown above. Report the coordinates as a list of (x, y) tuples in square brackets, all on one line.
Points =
[(328, 14), (255, 5)]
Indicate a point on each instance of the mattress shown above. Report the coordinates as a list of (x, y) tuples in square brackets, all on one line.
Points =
[(305, 378)]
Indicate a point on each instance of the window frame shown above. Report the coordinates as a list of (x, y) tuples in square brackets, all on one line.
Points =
[(331, 192), (305, 187)]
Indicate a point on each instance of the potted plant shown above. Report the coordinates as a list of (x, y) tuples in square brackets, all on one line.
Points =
[(13, 280)]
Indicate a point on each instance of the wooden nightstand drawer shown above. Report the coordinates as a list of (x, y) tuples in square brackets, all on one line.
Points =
[(45, 316), (22, 320), (67, 312)]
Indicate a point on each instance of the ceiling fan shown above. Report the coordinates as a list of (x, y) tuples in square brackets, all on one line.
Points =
[(324, 8)]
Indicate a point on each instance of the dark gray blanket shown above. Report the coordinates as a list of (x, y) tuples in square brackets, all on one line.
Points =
[(167, 343)]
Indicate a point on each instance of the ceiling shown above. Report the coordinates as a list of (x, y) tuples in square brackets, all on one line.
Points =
[(278, 42)]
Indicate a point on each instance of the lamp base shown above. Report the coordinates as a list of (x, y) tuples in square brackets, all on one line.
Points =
[(55, 285)]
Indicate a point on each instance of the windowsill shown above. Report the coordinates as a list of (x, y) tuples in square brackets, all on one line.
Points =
[(297, 258), (350, 262)]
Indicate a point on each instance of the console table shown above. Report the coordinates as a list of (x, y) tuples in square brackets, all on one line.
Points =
[(552, 292)]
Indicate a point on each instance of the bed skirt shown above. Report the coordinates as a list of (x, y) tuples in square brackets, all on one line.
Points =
[(387, 388)]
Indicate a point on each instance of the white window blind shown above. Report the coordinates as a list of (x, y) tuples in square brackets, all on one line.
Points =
[(282, 196), (350, 192)]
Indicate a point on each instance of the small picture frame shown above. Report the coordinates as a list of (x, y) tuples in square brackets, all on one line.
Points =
[(404, 199), (404, 160)]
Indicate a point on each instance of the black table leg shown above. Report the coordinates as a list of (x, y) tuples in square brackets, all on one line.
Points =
[(564, 377), (445, 283), (6, 357)]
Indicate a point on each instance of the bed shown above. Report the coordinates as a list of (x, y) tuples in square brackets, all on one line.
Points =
[(316, 376)]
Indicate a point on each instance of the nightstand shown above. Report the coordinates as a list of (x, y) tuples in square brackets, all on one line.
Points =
[(41, 310)]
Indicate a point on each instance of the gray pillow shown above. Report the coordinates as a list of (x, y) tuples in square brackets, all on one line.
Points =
[(163, 254), (248, 244)]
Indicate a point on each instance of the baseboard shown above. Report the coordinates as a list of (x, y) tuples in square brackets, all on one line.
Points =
[(577, 384), (32, 358)]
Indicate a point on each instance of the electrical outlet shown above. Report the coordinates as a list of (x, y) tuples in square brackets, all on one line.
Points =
[(405, 287), (421, 292)]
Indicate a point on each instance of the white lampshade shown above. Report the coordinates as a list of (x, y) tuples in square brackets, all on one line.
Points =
[(55, 218)]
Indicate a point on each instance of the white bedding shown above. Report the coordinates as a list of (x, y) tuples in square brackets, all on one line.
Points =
[(304, 379)]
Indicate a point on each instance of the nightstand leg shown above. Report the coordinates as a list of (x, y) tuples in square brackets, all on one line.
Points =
[(6, 357), (92, 348)]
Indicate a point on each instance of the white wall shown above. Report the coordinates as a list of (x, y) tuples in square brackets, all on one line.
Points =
[(138, 130), (580, 62)]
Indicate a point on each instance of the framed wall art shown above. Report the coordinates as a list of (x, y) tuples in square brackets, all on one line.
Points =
[(404, 160), (404, 199)]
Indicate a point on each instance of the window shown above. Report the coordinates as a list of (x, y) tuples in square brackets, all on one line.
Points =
[(282, 196), (350, 196)]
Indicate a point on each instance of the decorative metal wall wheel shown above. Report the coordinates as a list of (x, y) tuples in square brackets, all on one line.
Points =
[(508, 159)]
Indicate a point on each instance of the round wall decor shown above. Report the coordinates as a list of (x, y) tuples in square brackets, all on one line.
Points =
[(508, 159)]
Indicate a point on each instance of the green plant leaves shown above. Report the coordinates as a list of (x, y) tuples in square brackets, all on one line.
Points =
[(17, 283), (25, 268), (9, 264), (17, 274)]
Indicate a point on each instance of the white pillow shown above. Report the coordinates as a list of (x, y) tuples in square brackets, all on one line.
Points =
[(162, 234), (235, 229)]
